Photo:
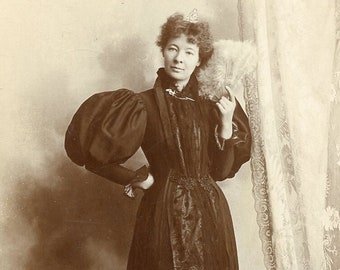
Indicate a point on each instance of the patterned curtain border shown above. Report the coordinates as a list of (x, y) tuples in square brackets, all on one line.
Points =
[(257, 162), (258, 169)]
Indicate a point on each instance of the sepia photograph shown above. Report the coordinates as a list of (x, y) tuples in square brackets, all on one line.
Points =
[(184, 135)]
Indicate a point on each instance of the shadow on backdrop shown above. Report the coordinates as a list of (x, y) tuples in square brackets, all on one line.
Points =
[(81, 221), (76, 220)]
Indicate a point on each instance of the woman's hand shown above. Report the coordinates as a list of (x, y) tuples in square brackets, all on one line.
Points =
[(226, 107), (145, 184)]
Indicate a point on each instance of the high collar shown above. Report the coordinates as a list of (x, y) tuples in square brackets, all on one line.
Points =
[(191, 89)]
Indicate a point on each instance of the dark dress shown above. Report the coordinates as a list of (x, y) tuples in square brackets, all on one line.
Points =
[(183, 221)]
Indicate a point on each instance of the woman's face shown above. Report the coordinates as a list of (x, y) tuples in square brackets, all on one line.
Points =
[(180, 58)]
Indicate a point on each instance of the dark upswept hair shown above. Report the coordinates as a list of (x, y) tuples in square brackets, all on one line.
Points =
[(197, 33)]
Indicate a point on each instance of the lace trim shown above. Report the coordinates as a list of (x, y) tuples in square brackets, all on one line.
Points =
[(129, 191)]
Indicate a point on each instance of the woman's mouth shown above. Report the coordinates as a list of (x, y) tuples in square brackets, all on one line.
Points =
[(176, 69)]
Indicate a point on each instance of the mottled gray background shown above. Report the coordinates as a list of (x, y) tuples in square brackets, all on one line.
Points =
[(53, 55)]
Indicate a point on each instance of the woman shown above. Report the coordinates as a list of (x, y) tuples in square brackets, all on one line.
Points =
[(183, 221)]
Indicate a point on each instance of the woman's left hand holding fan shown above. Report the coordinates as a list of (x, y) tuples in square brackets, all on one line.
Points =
[(226, 106)]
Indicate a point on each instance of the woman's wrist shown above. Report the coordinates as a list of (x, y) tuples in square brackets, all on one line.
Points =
[(129, 189), (225, 131), (143, 180), (144, 184)]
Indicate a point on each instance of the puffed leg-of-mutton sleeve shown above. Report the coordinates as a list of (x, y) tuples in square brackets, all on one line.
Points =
[(107, 129), (227, 156)]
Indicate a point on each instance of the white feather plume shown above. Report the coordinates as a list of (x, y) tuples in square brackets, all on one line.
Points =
[(230, 62)]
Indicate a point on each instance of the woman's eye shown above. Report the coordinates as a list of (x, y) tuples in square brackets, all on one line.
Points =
[(171, 49), (190, 53)]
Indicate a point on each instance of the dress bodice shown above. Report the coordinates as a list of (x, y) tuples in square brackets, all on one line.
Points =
[(189, 126)]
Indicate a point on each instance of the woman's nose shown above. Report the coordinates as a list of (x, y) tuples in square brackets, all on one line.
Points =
[(179, 57)]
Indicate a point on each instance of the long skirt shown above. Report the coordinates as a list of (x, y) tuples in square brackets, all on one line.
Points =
[(184, 224)]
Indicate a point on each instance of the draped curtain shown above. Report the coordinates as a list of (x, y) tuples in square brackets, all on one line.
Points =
[(293, 107), (331, 216)]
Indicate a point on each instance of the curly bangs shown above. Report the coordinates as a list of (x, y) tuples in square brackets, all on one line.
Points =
[(197, 33)]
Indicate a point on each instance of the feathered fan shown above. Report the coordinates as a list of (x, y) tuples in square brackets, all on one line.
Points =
[(230, 62)]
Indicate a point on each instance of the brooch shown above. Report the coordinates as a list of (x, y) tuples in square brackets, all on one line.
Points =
[(173, 93)]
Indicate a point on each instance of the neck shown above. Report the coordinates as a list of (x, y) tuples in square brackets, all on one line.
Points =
[(180, 86)]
